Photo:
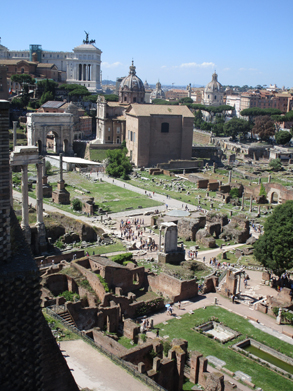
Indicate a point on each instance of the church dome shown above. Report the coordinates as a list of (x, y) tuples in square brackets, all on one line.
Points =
[(131, 89), (214, 85), (132, 82), (158, 93)]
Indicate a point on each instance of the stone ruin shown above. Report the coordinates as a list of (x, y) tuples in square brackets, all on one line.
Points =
[(171, 252)]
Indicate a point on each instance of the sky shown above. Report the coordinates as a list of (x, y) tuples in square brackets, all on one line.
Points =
[(173, 41)]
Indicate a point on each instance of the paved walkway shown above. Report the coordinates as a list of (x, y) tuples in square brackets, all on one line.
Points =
[(92, 369)]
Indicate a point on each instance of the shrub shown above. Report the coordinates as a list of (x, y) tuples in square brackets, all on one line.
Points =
[(234, 193), (76, 204), (166, 347), (275, 164), (48, 168), (143, 337), (103, 282), (262, 190), (121, 258), (69, 296)]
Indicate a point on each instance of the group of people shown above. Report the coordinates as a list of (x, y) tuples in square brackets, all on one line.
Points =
[(192, 254), (134, 230)]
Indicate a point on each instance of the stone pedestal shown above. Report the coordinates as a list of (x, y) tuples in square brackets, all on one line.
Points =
[(174, 257), (61, 195)]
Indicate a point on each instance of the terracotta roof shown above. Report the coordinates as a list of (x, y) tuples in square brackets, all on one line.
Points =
[(45, 65), (117, 104), (15, 62), (140, 110)]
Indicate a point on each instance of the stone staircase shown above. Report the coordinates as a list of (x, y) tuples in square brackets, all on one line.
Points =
[(67, 318)]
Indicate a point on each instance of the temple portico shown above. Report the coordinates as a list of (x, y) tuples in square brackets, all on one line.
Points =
[(23, 156)]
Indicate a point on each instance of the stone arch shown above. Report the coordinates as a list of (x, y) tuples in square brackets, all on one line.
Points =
[(65, 146), (53, 140), (274, 195), (274, 199), (39, 144)]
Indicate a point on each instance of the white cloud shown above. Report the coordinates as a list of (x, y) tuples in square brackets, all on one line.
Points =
[(163, 66), (248, 69), (195, 65), (226, 69), (114, 65)]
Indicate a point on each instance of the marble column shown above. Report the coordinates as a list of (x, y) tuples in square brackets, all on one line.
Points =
[(25, 220), (160, 238), (250, 204), (14, 134), (259, 181), (61, 168)]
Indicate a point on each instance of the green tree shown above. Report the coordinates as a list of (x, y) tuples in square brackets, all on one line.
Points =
[(48, 168), (76, 204), (118, 165), (264, 127), (275, 164), (234, 192), (283, 137), (47, 86), (236, 127), (23, 78), (46, 96), (262, 190), (274, 249), (185, 100)]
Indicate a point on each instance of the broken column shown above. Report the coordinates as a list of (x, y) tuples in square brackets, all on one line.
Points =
[(242, 202), (47, 189), (230, 177), (259, 181), (250, 204), (269, 178)]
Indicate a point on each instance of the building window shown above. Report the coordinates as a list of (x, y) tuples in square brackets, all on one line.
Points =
[(208, 97), (109, 129), (22, 70), (125, 98), (215, 96), (118, 130), (108, 138), (131, 134), (165, 127), (133, 137), (134, 100)]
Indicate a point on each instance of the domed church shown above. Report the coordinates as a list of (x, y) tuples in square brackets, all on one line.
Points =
[(131, 89), (213, 92)]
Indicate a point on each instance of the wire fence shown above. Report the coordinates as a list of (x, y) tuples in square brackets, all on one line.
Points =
[(124, 364)]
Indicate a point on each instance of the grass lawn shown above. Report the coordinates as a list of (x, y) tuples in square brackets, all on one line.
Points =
[(111, 248), (98, 155), (261, 376), (111, 198), (126, 342)]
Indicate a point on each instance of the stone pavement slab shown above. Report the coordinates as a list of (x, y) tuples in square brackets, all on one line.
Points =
[(92, 369)]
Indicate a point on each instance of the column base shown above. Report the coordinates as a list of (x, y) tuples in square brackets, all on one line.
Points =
[(27, 233)]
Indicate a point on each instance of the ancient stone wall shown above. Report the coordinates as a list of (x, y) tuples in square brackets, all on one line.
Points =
[(172, 287), (188, 227)]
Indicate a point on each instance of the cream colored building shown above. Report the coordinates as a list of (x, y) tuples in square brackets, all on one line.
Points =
[(81, 66), (158, 133), (213, 92)]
